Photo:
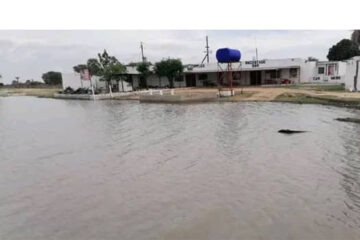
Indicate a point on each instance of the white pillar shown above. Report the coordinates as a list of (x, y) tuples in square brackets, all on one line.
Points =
[(93, 94), (110, 91)]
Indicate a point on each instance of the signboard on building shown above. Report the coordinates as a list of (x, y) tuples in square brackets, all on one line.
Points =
[(255, 63)]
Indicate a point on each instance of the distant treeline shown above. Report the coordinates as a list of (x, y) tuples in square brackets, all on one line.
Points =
[(29, 84), (51, 80)]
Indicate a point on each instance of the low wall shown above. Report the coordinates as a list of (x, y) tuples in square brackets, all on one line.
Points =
[(91, 97), (178, 98)]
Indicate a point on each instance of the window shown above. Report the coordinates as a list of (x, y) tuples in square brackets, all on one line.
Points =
[(203, 76), (179, 78), (293, 72), (321, 70), (236, 76), (274, 74)]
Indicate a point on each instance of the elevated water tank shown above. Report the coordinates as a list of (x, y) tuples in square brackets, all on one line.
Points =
[(227, 55)]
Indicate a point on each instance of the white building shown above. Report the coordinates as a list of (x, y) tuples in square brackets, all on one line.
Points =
[(74, 81), (329, 72), (352, 79), (245, 73)]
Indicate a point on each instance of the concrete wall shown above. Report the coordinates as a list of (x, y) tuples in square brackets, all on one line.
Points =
[(307, 71), (350, 74), (73, 80)]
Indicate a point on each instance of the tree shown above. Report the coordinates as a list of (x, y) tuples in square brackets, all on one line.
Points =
[(343, 50), (312, 59), (52, 78), (79, 68), (159, 71), (111, 68), (144, 69), (106, 67), (94, 67), (170, 68)]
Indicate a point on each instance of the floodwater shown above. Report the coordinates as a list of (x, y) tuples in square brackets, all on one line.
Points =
[(124, 170)]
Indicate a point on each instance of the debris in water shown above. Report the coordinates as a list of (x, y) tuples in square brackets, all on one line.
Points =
[(288, 131), (354, 120)]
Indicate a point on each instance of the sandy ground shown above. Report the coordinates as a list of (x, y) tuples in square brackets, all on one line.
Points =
[(270, 93), (250, 93)]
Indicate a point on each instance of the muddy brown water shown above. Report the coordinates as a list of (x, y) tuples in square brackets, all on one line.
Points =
[(124, 170)]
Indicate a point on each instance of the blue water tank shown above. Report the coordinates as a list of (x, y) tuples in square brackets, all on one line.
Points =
[(226, 55)]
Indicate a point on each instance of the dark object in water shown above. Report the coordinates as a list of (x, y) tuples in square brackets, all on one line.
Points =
[(353, 120), (288, 131)]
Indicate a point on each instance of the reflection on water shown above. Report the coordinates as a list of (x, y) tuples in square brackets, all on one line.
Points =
[(123, 170)]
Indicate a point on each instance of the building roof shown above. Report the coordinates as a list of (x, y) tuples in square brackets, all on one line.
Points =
[(265, 64)]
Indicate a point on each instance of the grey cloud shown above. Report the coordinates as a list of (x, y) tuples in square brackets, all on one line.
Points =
[(28, 54)]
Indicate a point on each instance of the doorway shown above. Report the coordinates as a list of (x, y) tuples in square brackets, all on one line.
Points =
[(255, 78), (190, 80), (143, 82)]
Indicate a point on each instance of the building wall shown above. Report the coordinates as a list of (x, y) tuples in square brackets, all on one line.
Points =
[(337, 77), (350, 74), (307, 71), (73, 80), (127, 86), (135, 81), (153, 82)]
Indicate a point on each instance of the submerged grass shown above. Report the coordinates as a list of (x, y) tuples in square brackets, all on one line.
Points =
[(324, 99)]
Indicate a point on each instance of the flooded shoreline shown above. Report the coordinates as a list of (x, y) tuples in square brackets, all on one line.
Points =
[(298, 94), (124, 170)]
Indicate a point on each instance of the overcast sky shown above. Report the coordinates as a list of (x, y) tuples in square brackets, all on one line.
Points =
[(28, 54)]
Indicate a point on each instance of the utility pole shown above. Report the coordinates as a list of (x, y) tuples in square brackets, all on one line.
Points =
[(207, 49), (207, 52), (142, 52), (257, 57)]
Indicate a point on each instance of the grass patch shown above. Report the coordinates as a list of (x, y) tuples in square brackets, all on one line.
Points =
[(327, 88), (37, 92), (326, 100)]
